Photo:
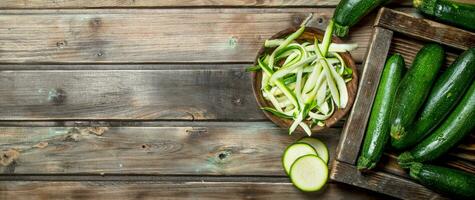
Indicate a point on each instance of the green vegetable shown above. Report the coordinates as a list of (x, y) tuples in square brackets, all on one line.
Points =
[(287, 92), (349, 12), (414, 88), (457, 183), (309, 173), (293, 152), (303, 81), (334, 47), (253, 68), (452, 12), (458, 124), (446, 92), (318, 145), (277, 113), (377, 134)]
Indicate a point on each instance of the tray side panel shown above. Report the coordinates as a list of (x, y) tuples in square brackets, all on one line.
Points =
[(355, 127), (381, 182), (425, 29)]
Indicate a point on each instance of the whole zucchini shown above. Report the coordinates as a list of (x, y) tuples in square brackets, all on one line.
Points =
[(457, 183), (349, 12), (447, 91), (459, 124), (414, 88), (455, 13), (377, 134)]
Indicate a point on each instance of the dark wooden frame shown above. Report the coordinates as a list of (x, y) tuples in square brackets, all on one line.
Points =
[(388, 23)]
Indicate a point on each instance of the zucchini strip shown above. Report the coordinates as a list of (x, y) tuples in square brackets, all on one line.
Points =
[(298, 87), (327, 38), (279, 84), (321, 94), (286, 70), (340, 83), (334, 47), (310, 84), (276, 113), (331, 84), (274, 101), (288, 40)]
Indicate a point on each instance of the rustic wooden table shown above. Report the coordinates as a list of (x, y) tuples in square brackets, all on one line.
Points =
[(147, 99)]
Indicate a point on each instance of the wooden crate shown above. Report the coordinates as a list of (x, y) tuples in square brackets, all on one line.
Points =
[(397, 32)]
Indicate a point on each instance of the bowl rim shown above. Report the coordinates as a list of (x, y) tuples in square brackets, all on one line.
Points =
[(352, 86)]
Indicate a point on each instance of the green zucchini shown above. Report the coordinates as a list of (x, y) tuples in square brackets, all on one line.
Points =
[(452, 12), (377, 133), (293, 152), (309, 173), (319, 147), (458, 124), (414, 88), (447, 91), (457, 183), (349, 12)]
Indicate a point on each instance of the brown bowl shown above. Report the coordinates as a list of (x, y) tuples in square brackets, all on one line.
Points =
[(306, 36)]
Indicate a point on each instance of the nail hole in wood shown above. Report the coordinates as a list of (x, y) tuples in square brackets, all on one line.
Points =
[(320, 20), (61, 44), (222, 156)]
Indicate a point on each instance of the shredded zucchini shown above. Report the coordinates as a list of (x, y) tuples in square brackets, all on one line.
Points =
[(304, 82)]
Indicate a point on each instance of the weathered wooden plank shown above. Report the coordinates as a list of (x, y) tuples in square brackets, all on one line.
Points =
[(152, 35), (166, 190), (355, 126), (145, 92), (381, 182), (170, 3), (251, 148), (425, 29), (212, 94)]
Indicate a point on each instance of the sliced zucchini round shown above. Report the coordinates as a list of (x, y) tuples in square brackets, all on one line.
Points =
[(295, 151), (309, 173), (318, 145)]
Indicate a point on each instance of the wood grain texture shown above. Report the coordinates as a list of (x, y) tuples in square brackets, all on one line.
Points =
[(381, 182), (355, 126), (251, 148), (425, 29), (408, 47), (152, 35), (171, 3), (165, 190), (207, 94), (145, 92)]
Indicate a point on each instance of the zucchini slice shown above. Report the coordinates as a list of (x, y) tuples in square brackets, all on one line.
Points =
[(295, 151), (309, 173), (319, 146)]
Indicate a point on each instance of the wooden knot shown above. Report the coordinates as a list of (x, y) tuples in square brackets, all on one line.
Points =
[(56, 96), (223, 156), (8, 157), (61, 44)]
